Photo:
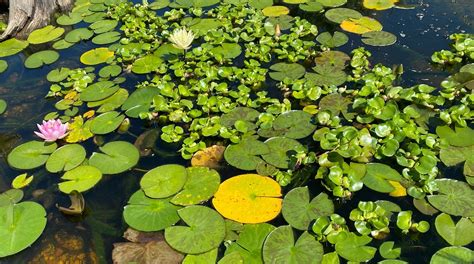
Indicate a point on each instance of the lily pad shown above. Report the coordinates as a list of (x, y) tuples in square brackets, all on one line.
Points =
[(62, 44), (146, 64), (453, 255), (379, 4), (361, 25), (45, 34), (332, 3), (3, 66), (66, 158), (69, 19), (106, 38), (387, 251), (20, 226), (80, 179), (164, 181), (274, 11), (378, 175), (103, 26), (353, 247), (200, 186), (460, 137), (12, 46), (248, 198), (11, 196), (106, 122), (30, 155), (117, 157), (228, 50), (299, 211), (326, 75), (332, 40), (282, 70), (139, 101), (206, 257), (110, 71), (311, 6), (280, 150), (452, 156), (78, 34), (41, 58), (147, 214), (99, 91), (245, 114), (454, 198), (337, 15), (294, 124), (96, 56), (3, 106), (460, 234), (205, 230), (245, 154), (336, 104), (110, 103), (379, 38), (280, 247)]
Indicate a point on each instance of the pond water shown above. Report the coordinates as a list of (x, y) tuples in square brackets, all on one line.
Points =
[(420, 31)]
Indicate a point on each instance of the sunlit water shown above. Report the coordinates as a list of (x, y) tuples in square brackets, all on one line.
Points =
[(420, 32)]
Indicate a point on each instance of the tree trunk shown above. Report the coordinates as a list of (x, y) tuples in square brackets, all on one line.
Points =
[(27, 15)]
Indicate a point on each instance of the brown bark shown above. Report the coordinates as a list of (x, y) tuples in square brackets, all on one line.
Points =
[(27, 15)]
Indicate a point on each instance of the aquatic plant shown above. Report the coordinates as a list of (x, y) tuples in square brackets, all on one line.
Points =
[(52, 130), (181, 38)]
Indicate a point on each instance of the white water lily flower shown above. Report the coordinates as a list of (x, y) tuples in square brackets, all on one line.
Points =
[(181, 38)]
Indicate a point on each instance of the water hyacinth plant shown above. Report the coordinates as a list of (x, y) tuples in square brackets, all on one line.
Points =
[(52, 130)]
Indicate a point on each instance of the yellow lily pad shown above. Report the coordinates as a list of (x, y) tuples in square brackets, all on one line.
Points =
[(361, 25), (96, 56), (21, 181), (275, 11), (399, 191), (248, 198), (209, 157), (379, 4)]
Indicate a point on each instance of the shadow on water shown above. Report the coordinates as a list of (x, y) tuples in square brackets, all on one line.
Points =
[(420, 32)]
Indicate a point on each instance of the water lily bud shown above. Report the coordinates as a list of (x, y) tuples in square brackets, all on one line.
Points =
[(124, 126)]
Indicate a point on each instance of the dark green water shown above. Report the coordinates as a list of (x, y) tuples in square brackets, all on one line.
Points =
[(420, 32)]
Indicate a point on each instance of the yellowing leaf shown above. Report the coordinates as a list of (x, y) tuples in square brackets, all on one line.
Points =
[(21, 181), (379, 4), (274, 11), (208, 157), (79, 131), (248, 198), (399, 191), (71, 95), (96, 56), (361, 25), (89, 114)]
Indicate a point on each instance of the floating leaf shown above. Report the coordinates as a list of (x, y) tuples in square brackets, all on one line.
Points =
[(139, 101), (96, 56), (106, 122), (80, 179), (41, 58), (21, 181), (250, 242), (3, 106), (200, 185), (294, 124), (399, 191), (337, 15), (66, 158), (227, 50), (78, 34), (424, 207), (460, 137), (326, 75), (454, 198), (77, 206), (147, 214), (281, 148), (460, 234), (146, 64), (62, 44), (106, 38), (206, 257), (379, 4), (245, 114), (209, 157), (361, 25), (353, 247), (110, 71), (30, 155), (379, 38), (387, 251), (11, 47), (282, 70), (98, 91), (205, 230), (248, 198), (332, 40), (45, 34), (378, 175), (336, 104), (11, 196), (311, 6), (274, 11), (78, 130), (103, 26), (245, 154), (332, 3), (118, 157), (70, 19), (453, 255), (164, 181), (3, 67)]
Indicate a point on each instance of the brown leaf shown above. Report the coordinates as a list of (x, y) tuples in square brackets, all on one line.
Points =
[(209, 157), (154, 252)]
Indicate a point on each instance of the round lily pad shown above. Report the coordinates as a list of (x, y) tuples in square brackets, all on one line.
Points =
[(200, 186), (332, 40), (146, 64), (311, 6), (30, 155), (45, 34), (3, 66), (282, 70), (274, 11), (454, 198), (106, 122), (99, 91), (205, 230), (361, 25), (12, 46), (164, 181), (78, 34), (280, 150), (281, 247), (110, 71), (379, 4), (117, 157), (62, 44), (378, 177), (20, 230), (379, 38), (248, 198), (70, 19), (58, 75), (66, 158), (294, 124), (11, 196), (106, 38), (453, 255), (354, 248), (332, 3), (96, 56), (246, 114), (245, 154), (147, 214), (103, 26), (250, 242), (3, 106), (80, 179), (337, 15), (110, 103), (41, 58)]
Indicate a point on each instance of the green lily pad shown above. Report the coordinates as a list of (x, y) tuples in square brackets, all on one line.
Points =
[(99, 91), (299, 211), (379, 38), (139, 101), (337, 15), (332, 40), (103, 26), (206, 257), (387, 251), (280, 149), (250, 242), (245, 154), (280, 247), (110, 71), (41, 58), (62, 44), (66, 158), (3, 66), (452, 156), (96, 56), (78, 34), (3, 106), (294, 124), (377, 176), (106, 122), (282, 70), (460, 137), (453, 255), (117, 157), (205, 230), (353, 247), (454, 198), (11, 196), (311, 6), (460, 234), (70, 19), (245, 114), (164, 181), (274, 11), (326, 75), (30, 155), (110, 103), (58, 75), (336, 104), (20, 226), (106, 38), (11, 47), (232, 258), (227, 50), (200, 186), (80, 179), (45, 34), (146, 64), (147, 214), (332, 3)]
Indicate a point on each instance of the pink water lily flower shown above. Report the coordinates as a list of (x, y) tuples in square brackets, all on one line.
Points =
[(52, 130)]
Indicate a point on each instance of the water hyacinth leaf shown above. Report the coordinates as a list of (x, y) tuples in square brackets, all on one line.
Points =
[(3, 66), (80, 179), (200, 186), (117, 157), (29, 222), (361, 25), (206, 257), (164, 181), (453, 255), (11, 196), (147, 214), (45, 34), (98, 91), (205, 230), (69, 19), (332, 3), (294, 124), (274, 11), (460, 234), (337, 15), (282, 70), (103, 26), (146, 64), (353, 247), (332, 40), (12, 46), (378, 175), (30, 155), (454, 198), (280, 150), (78, 34), (96, 56), (379, 38), (66, 158), (248, 198), (110, 103), (250, 242), (379, 4), (40, 58), (245, 154), (3, 106), (299, 211), (281, 247), (106, 38), (106, 122), (311, 6), (387, 251)]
